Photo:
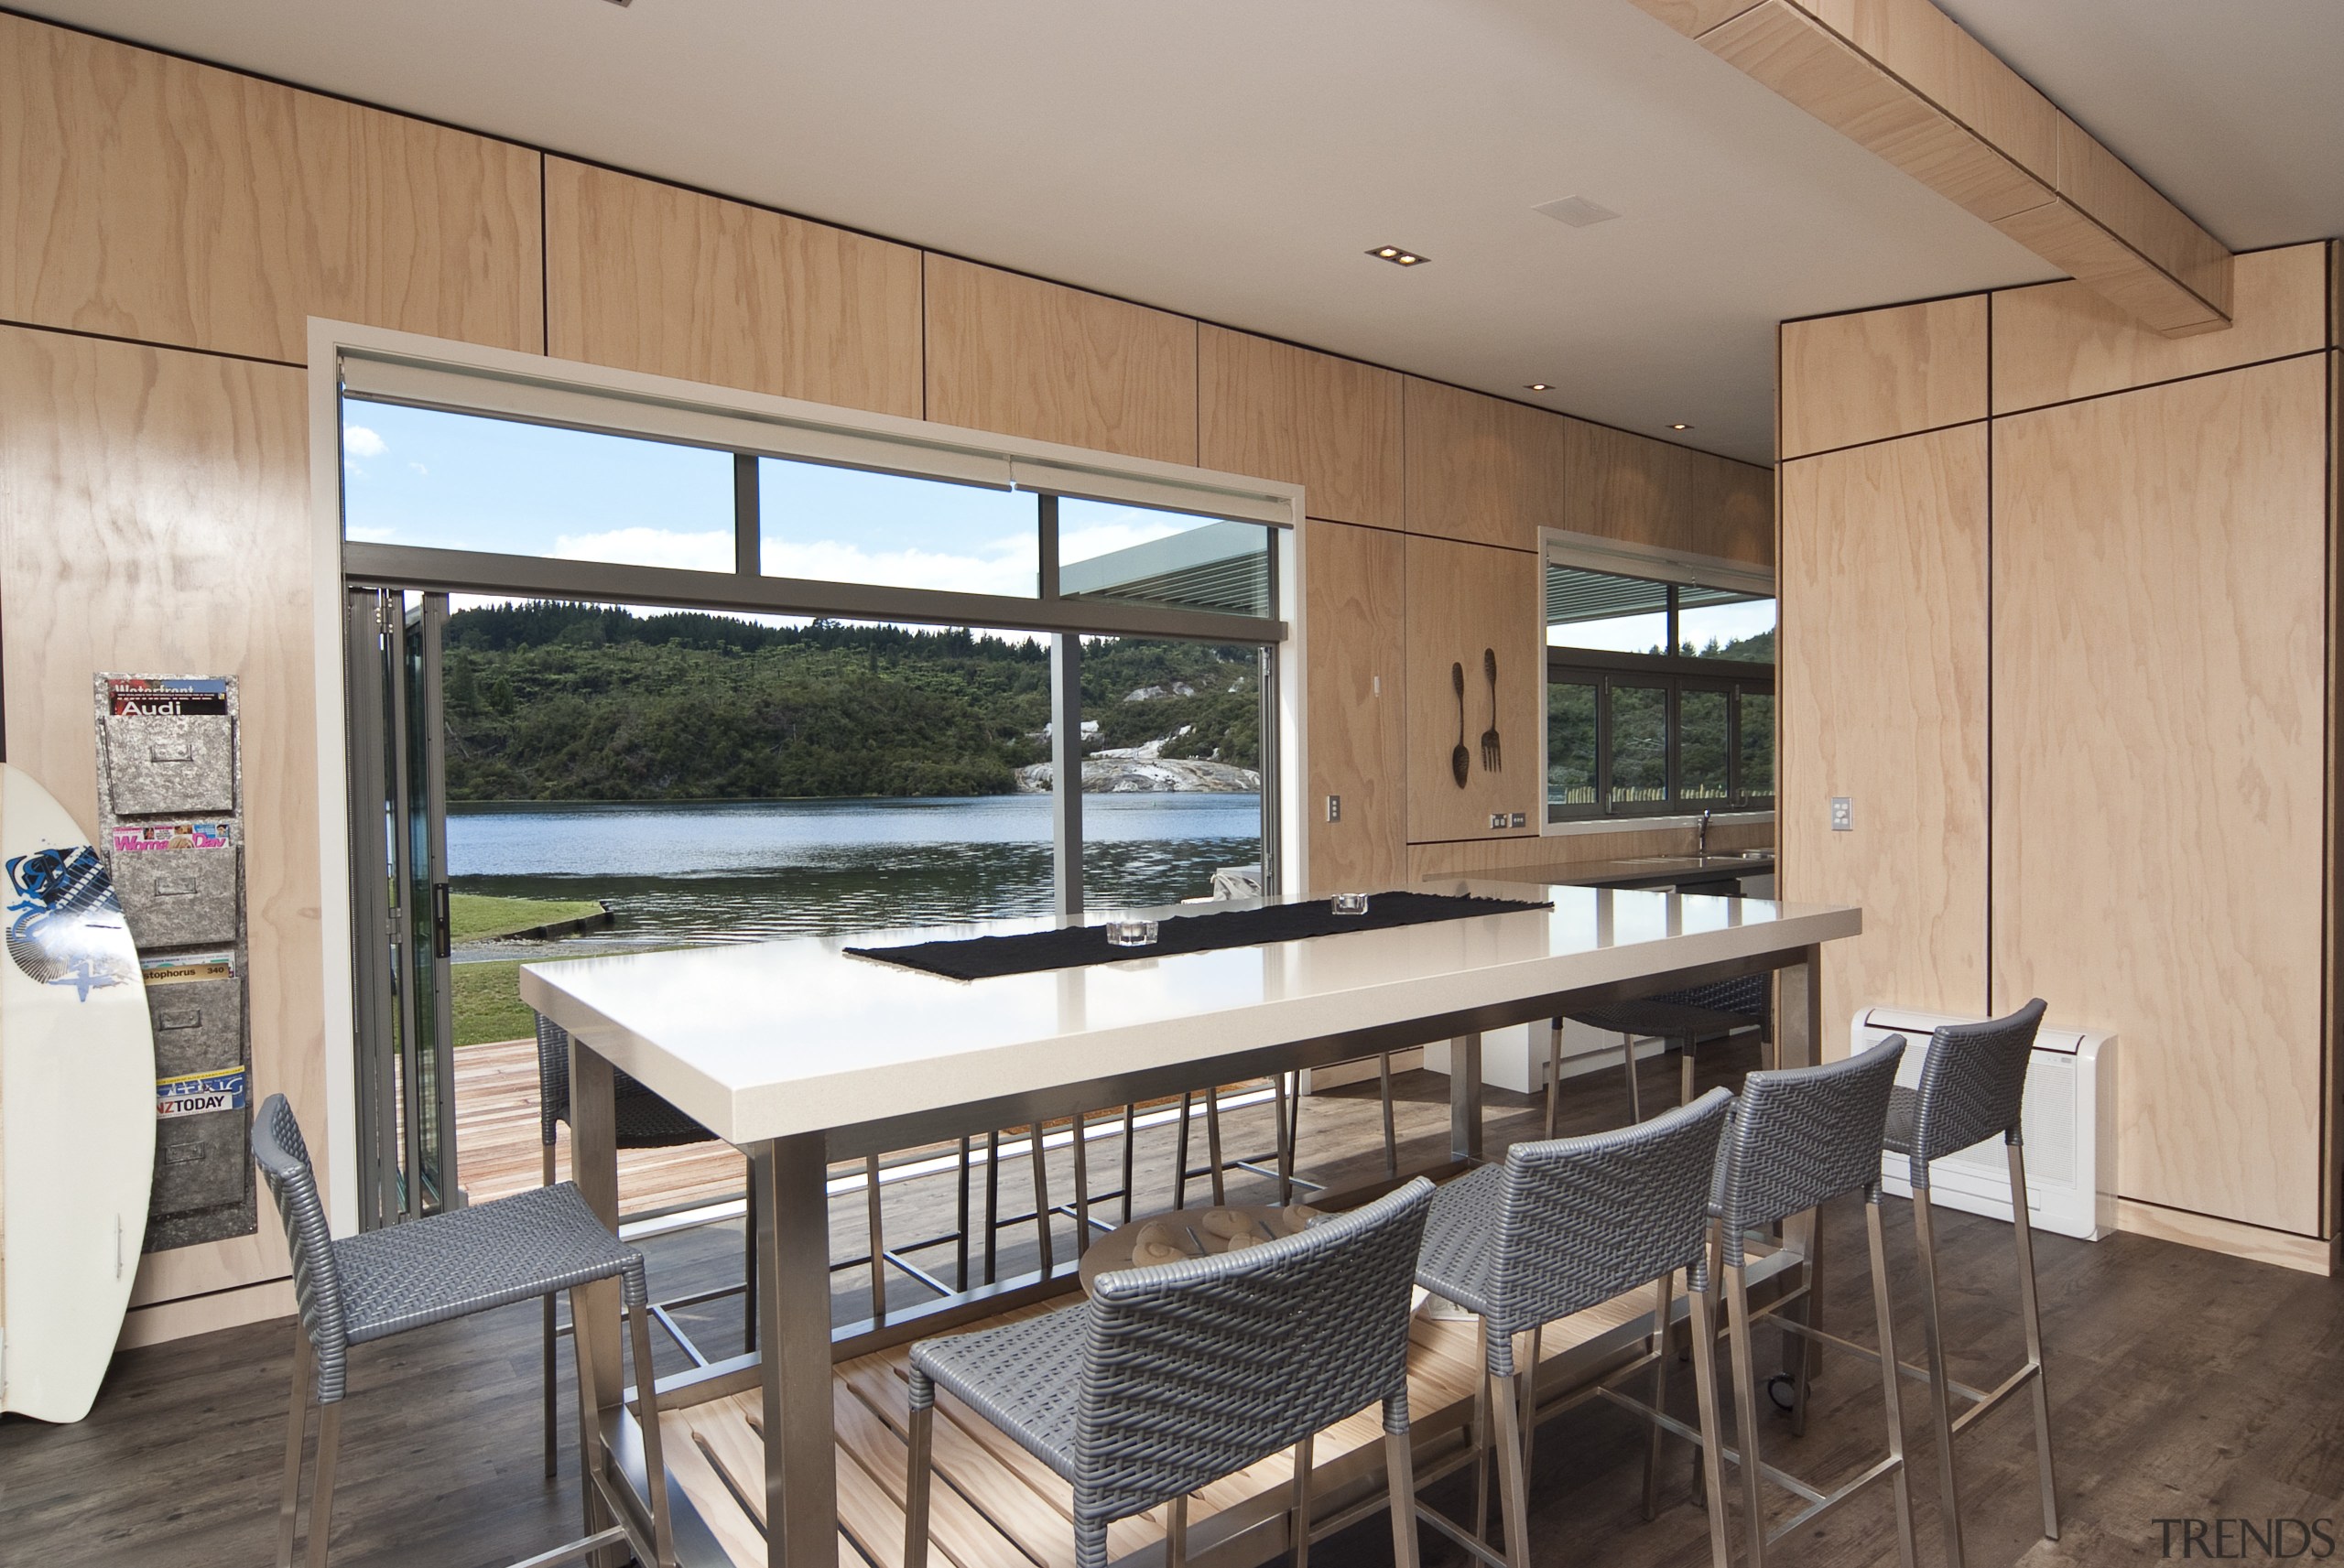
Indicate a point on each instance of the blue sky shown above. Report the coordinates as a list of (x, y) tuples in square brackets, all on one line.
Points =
[(419, 477)]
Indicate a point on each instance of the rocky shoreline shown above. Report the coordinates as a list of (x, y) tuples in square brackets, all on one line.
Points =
[(1143, 775)]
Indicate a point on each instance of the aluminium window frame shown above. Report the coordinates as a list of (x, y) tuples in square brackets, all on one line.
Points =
[(513, 384), (1673, 670)]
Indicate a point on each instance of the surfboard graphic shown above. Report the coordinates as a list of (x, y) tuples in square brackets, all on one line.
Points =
[(76, 1108)]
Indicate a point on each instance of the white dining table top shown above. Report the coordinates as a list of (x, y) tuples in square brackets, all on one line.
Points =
[(765, 1040)]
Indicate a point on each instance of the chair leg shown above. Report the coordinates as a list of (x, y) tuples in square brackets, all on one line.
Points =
[(1660, 1358), (1899, 1482), (1513, 1491), (1940, 1397), (1302, 1503), (1129, 1153), (1082, 1151), (549, 1337), (916, 1482), (749, 1261), (1391, 1133), (1482, 1438), (1526, 1372), (589, 1422), (296, 1429), (1400, 1483), (1042, 1200), (1554, 1072), (321, 1490), (1711, 1459), (960, 1223), (655, 1459), (875, 1221), (1180, 1153), (993, 1204), (1219, 1180), (1745, 1411), (2031, 1315), (1628, 1059)]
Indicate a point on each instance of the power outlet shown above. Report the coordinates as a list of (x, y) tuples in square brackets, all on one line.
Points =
[(1334, 808), (1843, 814), (1497, 820)]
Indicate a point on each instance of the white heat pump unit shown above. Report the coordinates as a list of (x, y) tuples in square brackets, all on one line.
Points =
[(2070, 1129)]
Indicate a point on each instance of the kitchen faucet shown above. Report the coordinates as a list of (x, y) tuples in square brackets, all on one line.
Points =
[(1701, 843)]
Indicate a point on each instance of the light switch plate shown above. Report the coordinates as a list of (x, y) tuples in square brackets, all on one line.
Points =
[(1519, 820), (1334, 808), (1843, 814)]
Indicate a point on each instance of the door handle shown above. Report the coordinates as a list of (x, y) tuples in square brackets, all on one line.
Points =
[(439, 920)]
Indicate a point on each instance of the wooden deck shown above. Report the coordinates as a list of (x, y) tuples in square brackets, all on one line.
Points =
[(994, 1506), (498, 1152)]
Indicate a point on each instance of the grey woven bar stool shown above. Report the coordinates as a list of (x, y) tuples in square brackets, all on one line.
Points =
[(1800, 1138), (1974, 1085), (1560, 1226), (644, 1122), (383, 1282), (1170, 1378), (1684, 1019)]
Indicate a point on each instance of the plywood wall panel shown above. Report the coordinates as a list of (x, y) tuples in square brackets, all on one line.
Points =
[(2056, 341), (151, 198), (1016, 355), (647, 276), (1653, 493), (1463, 599), (1880, 374), (1883, 691), (1330, 424), (2160, 648), (155, 517), (1355, 585), (1481, 469)]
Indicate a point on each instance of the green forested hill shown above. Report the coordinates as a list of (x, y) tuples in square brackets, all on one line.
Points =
[(552, 701)]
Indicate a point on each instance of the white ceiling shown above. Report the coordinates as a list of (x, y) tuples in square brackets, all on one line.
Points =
[(1233, 159)]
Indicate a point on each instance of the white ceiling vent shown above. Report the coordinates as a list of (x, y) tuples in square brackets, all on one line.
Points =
[(1576, 210)]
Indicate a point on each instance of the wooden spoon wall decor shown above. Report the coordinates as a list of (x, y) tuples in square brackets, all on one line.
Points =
[(1460, 761)]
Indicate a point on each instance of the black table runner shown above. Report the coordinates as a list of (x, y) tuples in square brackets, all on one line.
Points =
[(988, 958)]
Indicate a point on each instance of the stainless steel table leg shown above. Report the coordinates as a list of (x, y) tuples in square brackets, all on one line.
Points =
[(594, 1309), (793, 1346), (1465, 1097)]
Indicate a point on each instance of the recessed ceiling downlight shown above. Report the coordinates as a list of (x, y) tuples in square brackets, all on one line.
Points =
[(1680, 426), (1538, 386), (1397, 256)]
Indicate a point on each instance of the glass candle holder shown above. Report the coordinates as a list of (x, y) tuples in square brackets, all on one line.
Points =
[(1350, 903), (1130, 932)]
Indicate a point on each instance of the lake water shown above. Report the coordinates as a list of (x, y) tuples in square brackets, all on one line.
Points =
[(736, 871)]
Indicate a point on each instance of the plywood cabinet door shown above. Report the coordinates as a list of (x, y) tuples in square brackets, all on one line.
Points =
[(1016, 355), (1651, 493), (2160, 754), (1481, 469), (1464, 599), (151, 198), (647, 276), (1882, 683), (1355, 588), (1275, 411), (155, 517), (1877, 374)]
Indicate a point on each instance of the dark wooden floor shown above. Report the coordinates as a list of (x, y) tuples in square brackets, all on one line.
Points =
[(2183, 1385)]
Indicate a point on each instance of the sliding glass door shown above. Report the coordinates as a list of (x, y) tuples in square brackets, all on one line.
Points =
[(398, 813)]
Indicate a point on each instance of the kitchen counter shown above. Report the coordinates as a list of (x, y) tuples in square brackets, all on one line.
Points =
[(1687, 872)]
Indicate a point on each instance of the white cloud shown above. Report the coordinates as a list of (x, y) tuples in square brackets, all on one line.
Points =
[(360, 442), (1006, 568), (650, 547), (419, 468)]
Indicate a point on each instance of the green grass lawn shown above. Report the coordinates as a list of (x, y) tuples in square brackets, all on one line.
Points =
[(488, 1005), (477, 917)]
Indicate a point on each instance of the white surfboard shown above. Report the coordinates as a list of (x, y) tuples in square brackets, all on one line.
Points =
[(76, 1108)]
